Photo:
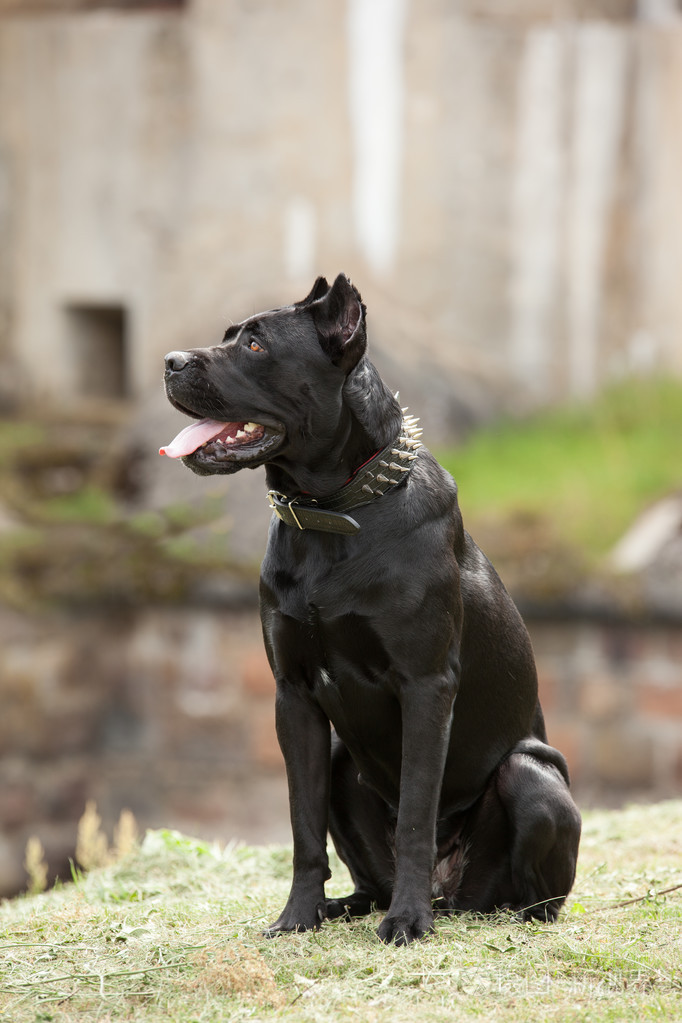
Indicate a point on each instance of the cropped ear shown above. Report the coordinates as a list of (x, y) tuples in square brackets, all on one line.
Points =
[(319, 290), (339, 318)]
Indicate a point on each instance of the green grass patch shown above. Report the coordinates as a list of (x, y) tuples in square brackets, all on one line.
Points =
[(588, 469), (90, 505), (173, 933), (17, 436), (70, 531)]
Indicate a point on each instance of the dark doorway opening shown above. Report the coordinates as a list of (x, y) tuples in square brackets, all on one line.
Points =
[(98, 336)]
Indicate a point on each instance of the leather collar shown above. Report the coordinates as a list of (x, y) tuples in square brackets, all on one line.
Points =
[(384, 471)]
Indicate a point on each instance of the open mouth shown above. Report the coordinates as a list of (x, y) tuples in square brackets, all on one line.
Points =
[(211, 442), (221, 436)]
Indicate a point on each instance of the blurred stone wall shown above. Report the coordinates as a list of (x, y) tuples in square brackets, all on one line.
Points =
[(170, 713), (500, 179), (612, 697)]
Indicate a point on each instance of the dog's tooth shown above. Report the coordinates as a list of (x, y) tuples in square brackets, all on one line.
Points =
[(250, 427), (240, 434)]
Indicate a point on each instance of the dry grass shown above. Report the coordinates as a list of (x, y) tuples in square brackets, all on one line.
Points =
[(172, 932)]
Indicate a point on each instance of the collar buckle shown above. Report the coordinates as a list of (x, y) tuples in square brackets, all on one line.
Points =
[(366, 486)]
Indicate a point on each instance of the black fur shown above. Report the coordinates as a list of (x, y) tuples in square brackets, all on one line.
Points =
[(437, 783)]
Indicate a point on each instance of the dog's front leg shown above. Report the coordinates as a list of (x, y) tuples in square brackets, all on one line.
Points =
[(305, 739), (426, 712)]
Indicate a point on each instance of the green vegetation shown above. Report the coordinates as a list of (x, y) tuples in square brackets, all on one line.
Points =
[(546, 498), (579, 474), (172, 932), (72, 532)]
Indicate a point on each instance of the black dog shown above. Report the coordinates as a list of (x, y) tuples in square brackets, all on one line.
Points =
[(437, 786)]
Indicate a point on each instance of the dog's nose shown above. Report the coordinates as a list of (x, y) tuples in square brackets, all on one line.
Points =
[(176, 361)]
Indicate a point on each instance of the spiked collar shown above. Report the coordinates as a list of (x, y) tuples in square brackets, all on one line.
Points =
[(384, 471)]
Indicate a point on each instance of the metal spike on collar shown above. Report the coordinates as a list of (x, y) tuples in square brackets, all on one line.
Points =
[(412, 431), (394, 461)]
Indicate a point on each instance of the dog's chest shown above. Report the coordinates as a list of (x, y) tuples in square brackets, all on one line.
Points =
[(323, 631)]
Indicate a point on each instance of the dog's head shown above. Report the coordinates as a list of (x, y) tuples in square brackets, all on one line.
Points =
[(272, 386)]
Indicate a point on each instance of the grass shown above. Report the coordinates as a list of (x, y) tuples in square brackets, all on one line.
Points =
[(70, 536), (588, 470), (173, 933)]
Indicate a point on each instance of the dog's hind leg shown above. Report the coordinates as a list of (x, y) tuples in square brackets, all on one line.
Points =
[(362, 828), (519, 844), (534, 788)]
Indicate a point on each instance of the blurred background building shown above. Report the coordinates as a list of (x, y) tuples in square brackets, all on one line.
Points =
[(501, 179)]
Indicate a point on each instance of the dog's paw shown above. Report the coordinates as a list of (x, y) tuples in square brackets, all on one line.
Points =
[(402, 928), (297, 919), (357, 904)]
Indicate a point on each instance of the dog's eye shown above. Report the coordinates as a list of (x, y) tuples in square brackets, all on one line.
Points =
[(253, 346)]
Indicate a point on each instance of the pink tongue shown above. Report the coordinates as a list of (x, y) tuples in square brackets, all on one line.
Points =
[(192, 437)]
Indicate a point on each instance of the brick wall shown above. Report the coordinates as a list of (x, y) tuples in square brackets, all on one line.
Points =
[(170, 712), (167, 712), (612, 695)]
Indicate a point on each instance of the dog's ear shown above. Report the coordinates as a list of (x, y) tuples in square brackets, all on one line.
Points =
[(319, 290), (339, 318)]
